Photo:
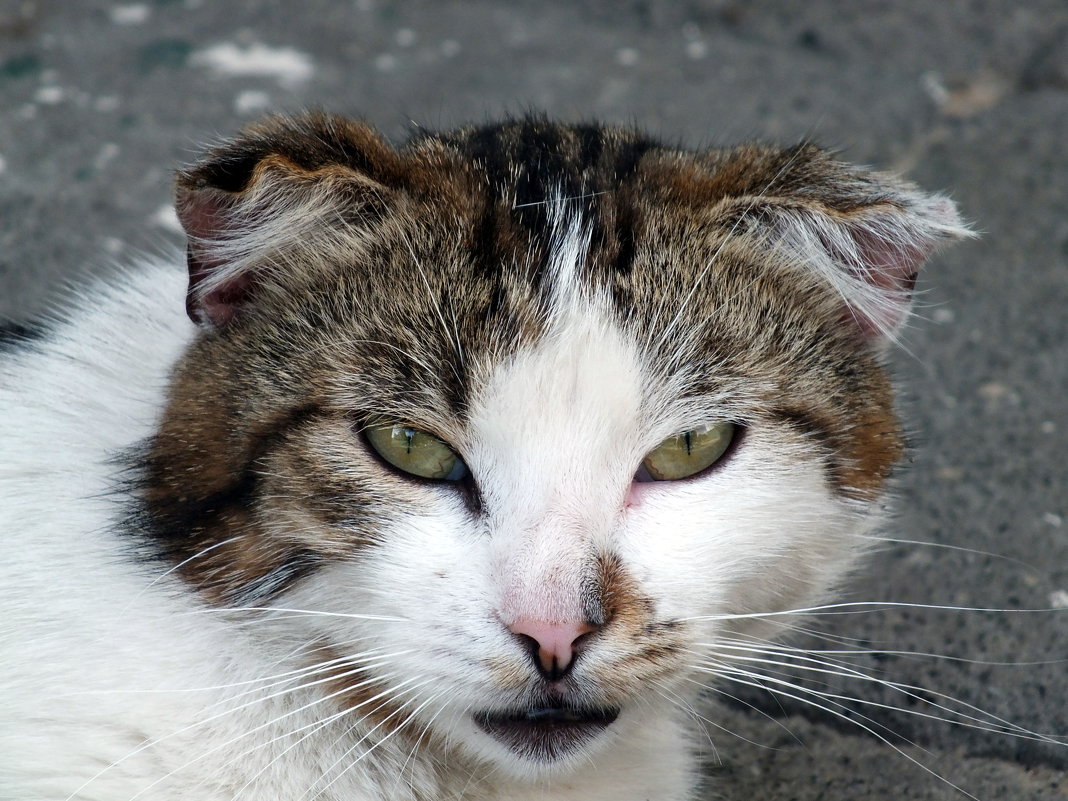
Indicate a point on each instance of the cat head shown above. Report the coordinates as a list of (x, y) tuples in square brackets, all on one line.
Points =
[(529, 415)]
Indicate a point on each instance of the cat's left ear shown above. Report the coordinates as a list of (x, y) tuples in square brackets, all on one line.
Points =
[(866, 234)]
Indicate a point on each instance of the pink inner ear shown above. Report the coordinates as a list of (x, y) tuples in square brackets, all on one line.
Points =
[(203, 214), (220, 305), (889, 267)]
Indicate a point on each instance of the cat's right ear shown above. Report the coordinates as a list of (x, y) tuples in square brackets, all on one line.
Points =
[(252, 206)]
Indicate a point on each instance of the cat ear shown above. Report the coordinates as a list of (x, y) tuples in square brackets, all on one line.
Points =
[(251, 206), (866, 234)]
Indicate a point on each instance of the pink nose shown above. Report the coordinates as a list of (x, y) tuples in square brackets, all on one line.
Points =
[(554, 642)]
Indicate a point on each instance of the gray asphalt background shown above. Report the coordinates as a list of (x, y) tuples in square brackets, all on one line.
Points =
[(100, 101)]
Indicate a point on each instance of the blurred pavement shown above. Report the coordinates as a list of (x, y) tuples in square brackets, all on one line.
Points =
[(100, 101)]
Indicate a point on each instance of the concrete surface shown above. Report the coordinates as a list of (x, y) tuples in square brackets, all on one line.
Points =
[(100, 100)]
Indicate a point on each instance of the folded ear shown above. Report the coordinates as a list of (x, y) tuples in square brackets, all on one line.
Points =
[(865, 234), (251, 206)]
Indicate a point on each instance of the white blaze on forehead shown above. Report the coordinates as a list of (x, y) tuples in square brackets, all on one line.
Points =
[(555, 434)]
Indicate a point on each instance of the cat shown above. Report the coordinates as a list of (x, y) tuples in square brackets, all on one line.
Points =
[(455, 466)]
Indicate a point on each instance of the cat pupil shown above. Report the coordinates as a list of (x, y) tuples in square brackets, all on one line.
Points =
[(409, 435)]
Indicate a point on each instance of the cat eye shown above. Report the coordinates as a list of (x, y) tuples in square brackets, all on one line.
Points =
[(416, 452), (687, 454)]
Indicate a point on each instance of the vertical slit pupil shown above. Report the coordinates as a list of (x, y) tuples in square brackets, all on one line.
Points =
[(689, 450)]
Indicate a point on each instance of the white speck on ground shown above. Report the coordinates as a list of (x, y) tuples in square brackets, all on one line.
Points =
[(950, 473), (106, 103), (935, 88), (251, 102), (49, 95), (696, 49), (3, 164), (385, 63), (166, 218), (1058, 599), (133, 14), (943, 316), (1048, 427), (1054, 520), (627, 56), (108, 152), (404, 37), (993, 391), (286, 65), (113, 245), (450, 48)]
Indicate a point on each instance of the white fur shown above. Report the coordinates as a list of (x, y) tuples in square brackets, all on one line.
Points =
[(116, 683)]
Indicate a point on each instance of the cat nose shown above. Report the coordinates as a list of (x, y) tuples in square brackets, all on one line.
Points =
[(553, 646)]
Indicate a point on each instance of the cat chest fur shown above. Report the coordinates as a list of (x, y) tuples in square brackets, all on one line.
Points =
[(478, 443)]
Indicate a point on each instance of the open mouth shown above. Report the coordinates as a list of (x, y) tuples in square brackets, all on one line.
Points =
[(546, 733)]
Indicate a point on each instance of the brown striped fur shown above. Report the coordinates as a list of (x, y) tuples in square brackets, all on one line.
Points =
[(321, 258)]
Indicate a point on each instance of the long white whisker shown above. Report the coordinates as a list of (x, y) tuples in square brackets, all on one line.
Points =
[(258, 683), (990, 723), (344, 756), (228, 711), (947, 547), (740, 676), (262, 726), (453, 333), (861, 607), (312, 730), (712, 260), (304, 612), (198, 555)]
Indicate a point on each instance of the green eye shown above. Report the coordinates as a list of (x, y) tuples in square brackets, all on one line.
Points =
[(416, 452), (687, 454)]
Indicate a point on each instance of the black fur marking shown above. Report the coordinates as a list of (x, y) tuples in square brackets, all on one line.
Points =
[(626, 163), (232, 173), (14, 335), (812, 429), (180, 526), (298, 565), (529, 163)]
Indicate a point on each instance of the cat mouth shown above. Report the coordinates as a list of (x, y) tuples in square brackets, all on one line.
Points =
[(546, 733)]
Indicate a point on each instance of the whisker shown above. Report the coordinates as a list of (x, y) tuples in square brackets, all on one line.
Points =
[(418, 737), (765, 645), (452, 334), (861, 607), (712, 260), (313, 729), (262, 681), (262, 726), (228, 711), (367, 735), (566, 199), (990, 723), (198, 555), (673, 698), (298, 612), (741, 677), (752, 707), (948, 547)]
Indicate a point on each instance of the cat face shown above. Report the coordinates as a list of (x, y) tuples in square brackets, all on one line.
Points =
[(518, 422)]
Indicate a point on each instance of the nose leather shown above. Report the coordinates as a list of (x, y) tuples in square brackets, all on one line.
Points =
[(554, 643)]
